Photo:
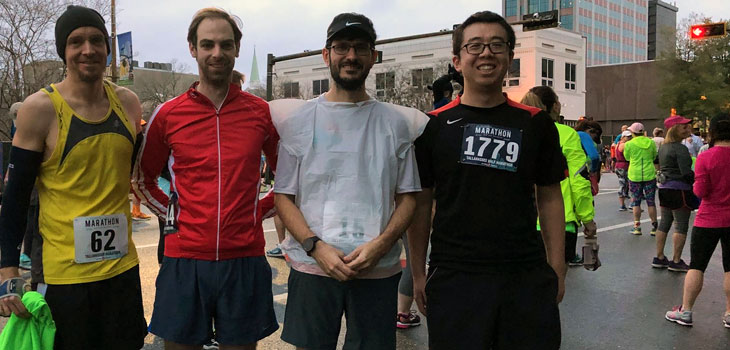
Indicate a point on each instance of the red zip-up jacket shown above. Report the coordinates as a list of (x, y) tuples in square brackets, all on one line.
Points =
[(214, 157)]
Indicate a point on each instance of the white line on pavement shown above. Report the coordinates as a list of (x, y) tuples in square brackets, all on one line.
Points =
[(626, 224), (281, 298), (155, 245)]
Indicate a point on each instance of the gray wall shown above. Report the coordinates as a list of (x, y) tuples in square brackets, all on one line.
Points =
[(623, 94)]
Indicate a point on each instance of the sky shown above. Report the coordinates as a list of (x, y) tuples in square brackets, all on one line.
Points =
[(282, 27)]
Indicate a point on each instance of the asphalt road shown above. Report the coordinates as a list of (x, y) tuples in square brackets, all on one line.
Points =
[(620, 306)]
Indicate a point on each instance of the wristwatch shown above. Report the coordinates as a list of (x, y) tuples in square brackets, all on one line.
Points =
[(309, 244)]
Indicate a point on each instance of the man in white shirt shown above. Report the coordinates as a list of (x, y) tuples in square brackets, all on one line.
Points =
[(345, 190)]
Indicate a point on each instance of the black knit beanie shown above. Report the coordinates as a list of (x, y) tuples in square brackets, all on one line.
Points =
[(77, 17)]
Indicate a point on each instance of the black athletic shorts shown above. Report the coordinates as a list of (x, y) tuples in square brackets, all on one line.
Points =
[(703, 243), (501, 311), (316, 303), (99, 315)]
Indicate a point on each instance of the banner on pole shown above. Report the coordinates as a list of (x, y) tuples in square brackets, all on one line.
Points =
[(126, 76)]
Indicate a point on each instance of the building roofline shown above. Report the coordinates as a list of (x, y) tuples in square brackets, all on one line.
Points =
[(619, 64), (378, 42)]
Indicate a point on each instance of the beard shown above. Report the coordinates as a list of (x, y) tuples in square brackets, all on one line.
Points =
[(217, 77), (348, 84)]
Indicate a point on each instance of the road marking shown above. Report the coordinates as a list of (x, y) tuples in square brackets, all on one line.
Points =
[(156, 244), (626, 224), (608, 191)]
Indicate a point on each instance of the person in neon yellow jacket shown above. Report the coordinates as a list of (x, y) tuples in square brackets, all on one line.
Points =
[(642, 156), (576, 188)]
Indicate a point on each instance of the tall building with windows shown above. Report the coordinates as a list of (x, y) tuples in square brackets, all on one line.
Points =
[(615, 30)]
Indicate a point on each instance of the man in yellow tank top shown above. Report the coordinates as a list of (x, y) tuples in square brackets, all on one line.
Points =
[(75, 140)]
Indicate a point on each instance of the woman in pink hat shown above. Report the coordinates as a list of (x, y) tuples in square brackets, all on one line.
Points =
[(712, 222), (676, 200)]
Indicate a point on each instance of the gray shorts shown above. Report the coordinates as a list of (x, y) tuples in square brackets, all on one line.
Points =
[(315, 306)]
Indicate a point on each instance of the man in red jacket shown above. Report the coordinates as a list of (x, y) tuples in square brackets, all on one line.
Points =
[(211, 138)]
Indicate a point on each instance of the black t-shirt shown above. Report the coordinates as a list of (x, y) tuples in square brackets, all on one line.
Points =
[(483, 164)]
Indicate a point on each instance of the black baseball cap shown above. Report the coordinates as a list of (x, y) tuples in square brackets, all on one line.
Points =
[(351, 22)]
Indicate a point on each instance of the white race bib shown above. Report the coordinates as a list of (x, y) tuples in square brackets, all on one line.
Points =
[(98, 238), (490, 146)]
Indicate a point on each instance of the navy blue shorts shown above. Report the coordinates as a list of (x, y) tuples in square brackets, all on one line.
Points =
[(193, 294)]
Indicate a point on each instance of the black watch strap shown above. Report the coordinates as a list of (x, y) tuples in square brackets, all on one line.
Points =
[(309, 244)]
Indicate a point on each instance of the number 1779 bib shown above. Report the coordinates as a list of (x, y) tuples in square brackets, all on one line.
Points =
[(490, 146), (99, 238)]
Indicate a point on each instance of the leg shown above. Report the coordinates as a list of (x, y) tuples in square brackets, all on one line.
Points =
[(571, 241), (650, 197), (636, 195), (529, 317), (462, 309), (661, 235), (692, 287), (405, 285), (244, 302), (702, 245), (726, 288), (369, 308), (680, 231), (184, 302), (314, 311)]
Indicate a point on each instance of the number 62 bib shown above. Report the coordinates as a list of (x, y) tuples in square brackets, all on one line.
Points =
[(98, 238), (490, 146)]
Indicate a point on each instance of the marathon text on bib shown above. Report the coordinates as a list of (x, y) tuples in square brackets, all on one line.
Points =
[(98, 238), (490, 146)]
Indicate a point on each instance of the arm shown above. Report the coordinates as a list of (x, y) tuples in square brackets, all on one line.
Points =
[(131, 105), (418, 236), (34, 122), (702, 186), (552, 214), (152, 158), (580, 187), (329, 258), (366, 256), (270, 148), (684, 162)]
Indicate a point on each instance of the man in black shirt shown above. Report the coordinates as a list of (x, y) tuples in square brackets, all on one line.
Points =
[(491, 165)]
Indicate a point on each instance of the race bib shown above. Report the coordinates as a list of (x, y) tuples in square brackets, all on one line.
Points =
[(490, 146), (98, 238)]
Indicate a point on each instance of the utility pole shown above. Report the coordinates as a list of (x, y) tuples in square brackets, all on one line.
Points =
[(114, 43)]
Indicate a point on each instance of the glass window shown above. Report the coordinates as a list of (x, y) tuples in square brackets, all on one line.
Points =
[(291, 89), (421, 78), (547, 72), (510, 8), (570, 80), (566, 4), (320, 86), (384, 82), (566, 22), (513, 74)]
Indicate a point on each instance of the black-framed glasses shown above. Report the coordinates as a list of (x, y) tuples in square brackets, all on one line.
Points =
[(360, 49), (495, 47)]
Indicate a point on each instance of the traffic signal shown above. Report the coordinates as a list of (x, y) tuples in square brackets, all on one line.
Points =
[(704, 31), (539, 20)]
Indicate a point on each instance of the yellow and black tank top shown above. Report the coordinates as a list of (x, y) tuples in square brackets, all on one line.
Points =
[(87, 176)]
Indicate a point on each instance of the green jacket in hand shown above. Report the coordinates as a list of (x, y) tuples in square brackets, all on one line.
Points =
[(35, 333)]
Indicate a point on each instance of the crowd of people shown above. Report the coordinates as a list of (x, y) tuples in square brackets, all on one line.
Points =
[(497, 191)]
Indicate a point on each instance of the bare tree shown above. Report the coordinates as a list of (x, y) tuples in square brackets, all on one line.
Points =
[(158, 87), (407, 86), (25, 40)]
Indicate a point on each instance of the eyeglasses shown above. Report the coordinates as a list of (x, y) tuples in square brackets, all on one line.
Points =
[(360, 49), (477, 48)]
